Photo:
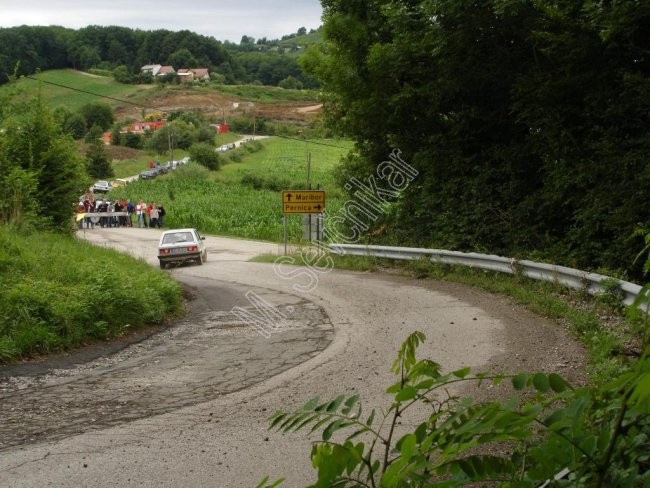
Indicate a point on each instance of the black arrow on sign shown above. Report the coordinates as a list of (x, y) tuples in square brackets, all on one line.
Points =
[(288, 197)]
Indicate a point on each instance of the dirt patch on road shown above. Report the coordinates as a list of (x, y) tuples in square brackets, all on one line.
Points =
[(210, 353)]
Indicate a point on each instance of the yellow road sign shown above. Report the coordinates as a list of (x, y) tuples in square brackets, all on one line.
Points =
[(303, 201)]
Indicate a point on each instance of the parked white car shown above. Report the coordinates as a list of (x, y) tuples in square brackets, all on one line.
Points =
[(101, 186)]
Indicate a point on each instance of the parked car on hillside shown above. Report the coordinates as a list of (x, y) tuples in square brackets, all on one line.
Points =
[(148, 175), (101, 186), (118, 183), (181, 245)]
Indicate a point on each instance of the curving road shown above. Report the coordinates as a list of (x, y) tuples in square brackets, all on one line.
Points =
[(186, 405)]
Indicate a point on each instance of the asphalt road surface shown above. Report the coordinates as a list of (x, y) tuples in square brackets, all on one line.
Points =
[(186, 405)]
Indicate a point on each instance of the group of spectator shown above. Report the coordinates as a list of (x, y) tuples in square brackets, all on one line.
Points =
[(147, 215)]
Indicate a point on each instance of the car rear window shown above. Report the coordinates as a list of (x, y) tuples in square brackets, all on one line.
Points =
[(177, 237)]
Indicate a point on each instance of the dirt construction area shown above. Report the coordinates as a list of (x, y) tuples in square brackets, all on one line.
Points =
[(187, 404), (224, 106)]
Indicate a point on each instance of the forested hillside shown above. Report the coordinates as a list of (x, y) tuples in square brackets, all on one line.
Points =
[(27, 49), (527, 122)]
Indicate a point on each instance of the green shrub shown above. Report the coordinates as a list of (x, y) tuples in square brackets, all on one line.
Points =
[(591, 436)]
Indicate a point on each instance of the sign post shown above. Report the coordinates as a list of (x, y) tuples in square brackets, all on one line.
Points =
[(301, 202)]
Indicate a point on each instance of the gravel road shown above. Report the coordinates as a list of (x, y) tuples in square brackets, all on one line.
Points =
[(186, 405)]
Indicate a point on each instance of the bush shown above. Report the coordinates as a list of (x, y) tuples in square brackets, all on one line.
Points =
[(205, 155), (593, 436)]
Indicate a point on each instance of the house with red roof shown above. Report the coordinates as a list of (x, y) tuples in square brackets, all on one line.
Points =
[(166, 70), (201, 74)]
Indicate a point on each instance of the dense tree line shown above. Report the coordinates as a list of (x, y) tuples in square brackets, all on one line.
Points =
[(123, 51), (527, 121), (271, 68), (33, 48)]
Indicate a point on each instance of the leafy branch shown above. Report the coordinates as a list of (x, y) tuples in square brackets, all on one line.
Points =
[(598, 436)]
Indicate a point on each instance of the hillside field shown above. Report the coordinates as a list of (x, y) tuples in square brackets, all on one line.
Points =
[(244, 199), (74, 89)]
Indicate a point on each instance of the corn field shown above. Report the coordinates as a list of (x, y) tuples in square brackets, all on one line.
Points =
[(219, 203)]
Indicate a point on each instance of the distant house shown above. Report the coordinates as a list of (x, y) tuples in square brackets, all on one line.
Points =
[(201, 74), (154, 69), (142, 127), (220, 128), (165, 70), (185, 75)]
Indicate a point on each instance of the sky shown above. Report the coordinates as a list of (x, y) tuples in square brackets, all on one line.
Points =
[(221, 19)]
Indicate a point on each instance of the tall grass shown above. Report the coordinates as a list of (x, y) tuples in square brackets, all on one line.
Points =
[(57, 292), (218, 202)]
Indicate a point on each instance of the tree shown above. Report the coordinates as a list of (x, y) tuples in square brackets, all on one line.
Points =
[(122, 75), (302, 31), (44, 165), (290, 83), (94, 134), (206, 155), (75, 125), (98, 113), (175, 134), (88, 57), (131, 139), (97, 163), (526, 124), (183, 58)]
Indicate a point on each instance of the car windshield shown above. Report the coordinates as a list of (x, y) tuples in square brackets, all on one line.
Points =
[(177, 237)]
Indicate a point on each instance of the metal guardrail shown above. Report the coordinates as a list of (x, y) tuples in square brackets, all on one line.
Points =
[(592, 283)]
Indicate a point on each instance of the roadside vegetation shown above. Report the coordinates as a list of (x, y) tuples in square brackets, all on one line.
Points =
[(58, 292), (547, 433)]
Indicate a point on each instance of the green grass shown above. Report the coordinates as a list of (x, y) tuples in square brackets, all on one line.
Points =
[(132, 167), (306, 40), (268, 94), (217, 202), (57, 292), (57, 96)]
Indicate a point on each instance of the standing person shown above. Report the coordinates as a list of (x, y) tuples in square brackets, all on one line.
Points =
[(153, 215), (119, 207), (161, 215), (148, 212), (140, 211), (130, 209), (90, 208), (110, 208)]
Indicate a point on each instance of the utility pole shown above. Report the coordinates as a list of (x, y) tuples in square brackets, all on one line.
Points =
[(171, 147)]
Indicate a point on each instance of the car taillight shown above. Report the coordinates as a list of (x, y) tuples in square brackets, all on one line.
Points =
[(164, 251), (192, 249)]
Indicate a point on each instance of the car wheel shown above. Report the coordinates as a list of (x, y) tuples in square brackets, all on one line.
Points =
[(162, 265)]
